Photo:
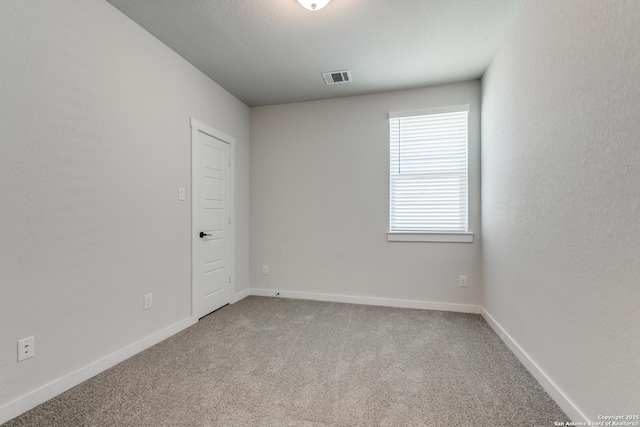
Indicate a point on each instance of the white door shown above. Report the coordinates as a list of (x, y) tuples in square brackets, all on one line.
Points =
[(211, 160)]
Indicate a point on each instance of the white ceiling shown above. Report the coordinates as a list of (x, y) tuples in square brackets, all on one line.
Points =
[(273, 51)]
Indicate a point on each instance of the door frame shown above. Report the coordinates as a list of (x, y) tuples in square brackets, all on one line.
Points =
[(197, 126)]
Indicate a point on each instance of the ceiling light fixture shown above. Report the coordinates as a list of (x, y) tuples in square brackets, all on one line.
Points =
[(313, 4)]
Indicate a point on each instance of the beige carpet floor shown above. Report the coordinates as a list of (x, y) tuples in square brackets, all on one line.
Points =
[(280, 362)]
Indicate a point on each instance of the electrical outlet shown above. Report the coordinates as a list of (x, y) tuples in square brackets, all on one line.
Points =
[(26, 348), (463, 281), (265, 270), (148, 301)]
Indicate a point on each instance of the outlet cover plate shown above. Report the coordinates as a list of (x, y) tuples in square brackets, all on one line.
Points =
[(148, 301), (26, 348)]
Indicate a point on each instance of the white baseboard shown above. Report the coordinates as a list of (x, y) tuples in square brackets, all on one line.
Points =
[(49, 391), (387, 302), (240, 295), (563, 401)]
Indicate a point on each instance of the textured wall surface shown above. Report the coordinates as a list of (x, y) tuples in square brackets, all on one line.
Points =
[(95, 141), (320, 201), (561, 196)]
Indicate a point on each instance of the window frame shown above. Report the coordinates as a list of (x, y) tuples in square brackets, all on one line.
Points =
[(432, 236)]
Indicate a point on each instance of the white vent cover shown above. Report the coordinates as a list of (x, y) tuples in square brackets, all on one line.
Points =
[(337, 77)]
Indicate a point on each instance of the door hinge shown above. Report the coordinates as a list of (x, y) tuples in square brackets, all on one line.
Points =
[(229, 161), (229, 278), (229, 220)]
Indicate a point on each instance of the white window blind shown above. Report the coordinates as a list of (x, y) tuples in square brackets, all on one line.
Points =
[(429, 172)]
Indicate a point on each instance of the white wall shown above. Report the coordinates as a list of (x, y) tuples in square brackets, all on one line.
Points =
[(95, 141), (319, 201), (561, 197)]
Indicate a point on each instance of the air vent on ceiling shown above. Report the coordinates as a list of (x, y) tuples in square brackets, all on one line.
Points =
[(335, 77)]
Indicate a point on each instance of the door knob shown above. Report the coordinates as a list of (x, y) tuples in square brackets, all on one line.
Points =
[(202, 234)]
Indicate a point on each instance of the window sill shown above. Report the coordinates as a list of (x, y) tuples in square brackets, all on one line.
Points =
[(431, 237)]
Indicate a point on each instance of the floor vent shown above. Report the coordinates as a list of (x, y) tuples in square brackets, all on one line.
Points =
[(336, 77)]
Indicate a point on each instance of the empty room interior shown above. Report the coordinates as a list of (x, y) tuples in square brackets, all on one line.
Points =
[(199, 227)]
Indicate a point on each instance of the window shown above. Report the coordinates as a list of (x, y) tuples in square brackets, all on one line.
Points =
[(428, 176)]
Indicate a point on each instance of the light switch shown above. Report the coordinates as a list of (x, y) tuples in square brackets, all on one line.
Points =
[(181, 193)]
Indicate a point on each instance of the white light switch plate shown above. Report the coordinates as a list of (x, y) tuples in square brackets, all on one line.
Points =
[(181, 193)]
